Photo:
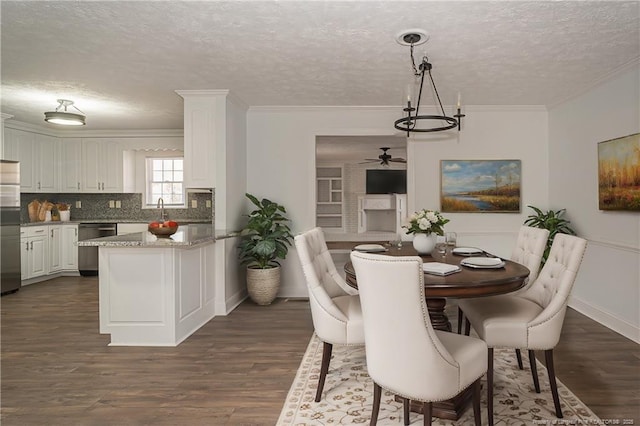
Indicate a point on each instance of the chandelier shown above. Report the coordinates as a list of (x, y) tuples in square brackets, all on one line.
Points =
[(64, 117), (413, 121)]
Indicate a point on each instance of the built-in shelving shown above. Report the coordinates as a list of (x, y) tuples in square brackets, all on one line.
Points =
[(329, 198)]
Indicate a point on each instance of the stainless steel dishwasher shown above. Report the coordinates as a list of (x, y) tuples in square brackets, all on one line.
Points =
[(88, 256)]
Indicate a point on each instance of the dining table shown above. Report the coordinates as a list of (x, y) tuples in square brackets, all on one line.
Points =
[(468, 282)]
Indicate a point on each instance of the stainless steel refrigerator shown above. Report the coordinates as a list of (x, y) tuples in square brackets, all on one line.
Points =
[(10, 272)]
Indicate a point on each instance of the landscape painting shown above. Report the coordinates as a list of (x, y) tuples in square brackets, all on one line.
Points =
[(619, 173), (480, 186)]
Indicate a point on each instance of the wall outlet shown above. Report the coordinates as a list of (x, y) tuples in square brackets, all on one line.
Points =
[(118, 204), (208, 203), (112, 204), (194, 204), (78, 204)]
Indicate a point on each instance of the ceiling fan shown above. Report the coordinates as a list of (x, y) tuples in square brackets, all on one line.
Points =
[(384, 158)]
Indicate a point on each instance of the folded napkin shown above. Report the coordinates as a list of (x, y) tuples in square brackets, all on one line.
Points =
[(439, 268)]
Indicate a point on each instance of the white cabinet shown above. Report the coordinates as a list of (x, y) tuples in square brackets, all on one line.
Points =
[(24, 253), (46, 165), (381, 213), (55, 249), (70, 164), (101, 165), (47, 250), (35, 260), (38, 157), (204, 127), (19, 146), (69, 251)]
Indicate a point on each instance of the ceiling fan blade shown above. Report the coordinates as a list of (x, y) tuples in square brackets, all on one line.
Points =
[(370, 160), (398, 160)]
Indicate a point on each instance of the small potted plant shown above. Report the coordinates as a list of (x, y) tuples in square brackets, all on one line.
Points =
[(553, 221), (265, 238), (425, 225)]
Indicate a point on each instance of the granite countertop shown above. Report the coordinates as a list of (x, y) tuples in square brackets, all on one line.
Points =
[(187, 235)]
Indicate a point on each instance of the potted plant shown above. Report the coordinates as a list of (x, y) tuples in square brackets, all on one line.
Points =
[(425, 225), (265, 238), (551, 220)]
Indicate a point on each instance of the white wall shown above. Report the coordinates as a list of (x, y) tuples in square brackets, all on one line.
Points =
[(281, 161), (489, 133), (608, 285), (235, 157)]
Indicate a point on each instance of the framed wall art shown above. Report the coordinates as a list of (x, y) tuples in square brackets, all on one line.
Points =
[(480, 186), (619, 173)]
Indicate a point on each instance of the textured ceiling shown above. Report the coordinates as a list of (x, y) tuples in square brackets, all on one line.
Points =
[(121, 61)]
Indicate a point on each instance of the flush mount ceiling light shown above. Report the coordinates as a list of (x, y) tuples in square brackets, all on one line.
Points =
[(63, 117), (413, 121)]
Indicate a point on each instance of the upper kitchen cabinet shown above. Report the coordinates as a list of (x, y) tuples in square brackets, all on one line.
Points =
[(38, 157), (204, 128), (71, 164), (19, 146), (101, 165)]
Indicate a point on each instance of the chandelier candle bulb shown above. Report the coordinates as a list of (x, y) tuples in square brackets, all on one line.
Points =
[(458, 100)]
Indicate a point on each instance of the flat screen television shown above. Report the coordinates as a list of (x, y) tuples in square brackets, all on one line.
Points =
[(386, 181)]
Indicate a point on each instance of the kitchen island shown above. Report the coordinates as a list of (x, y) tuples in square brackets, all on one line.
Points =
[(158, 291)]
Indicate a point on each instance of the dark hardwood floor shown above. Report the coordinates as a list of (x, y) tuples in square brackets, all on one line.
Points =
[(58, 370)]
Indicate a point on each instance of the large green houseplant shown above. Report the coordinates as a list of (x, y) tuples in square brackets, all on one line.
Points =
[(265, 238), (553, 221)]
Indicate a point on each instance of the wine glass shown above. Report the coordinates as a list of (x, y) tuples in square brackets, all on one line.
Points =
[(396, 242), (451, 238), (441, 248)]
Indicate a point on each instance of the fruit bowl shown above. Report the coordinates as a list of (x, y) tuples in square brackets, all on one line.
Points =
[(163, 230)]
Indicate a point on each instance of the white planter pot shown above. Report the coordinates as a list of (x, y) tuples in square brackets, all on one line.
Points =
[(263, 284), (424, 243)]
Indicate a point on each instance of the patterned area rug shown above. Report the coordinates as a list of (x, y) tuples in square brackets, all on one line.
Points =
[(348, 394)]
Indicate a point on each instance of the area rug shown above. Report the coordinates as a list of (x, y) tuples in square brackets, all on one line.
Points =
[(348, 394)]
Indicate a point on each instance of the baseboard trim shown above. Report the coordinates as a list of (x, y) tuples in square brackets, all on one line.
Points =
[(607, 319), (235, 300)]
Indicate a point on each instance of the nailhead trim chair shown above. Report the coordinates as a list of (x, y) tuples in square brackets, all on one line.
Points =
[(531, 319), (405, 355), (528, 251), (335, 306)]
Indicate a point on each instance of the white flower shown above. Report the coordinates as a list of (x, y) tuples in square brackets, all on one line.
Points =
[(413, 217), (432, 217), (424, 224)]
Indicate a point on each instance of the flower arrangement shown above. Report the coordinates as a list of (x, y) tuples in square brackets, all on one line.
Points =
[(426, 222)]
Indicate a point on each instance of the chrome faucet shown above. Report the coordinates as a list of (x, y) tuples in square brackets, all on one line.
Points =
[(163, 215)]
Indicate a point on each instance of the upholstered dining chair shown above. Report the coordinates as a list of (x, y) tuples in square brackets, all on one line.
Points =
[(528, 251), (405, 355), (532, 319), (335, 306)]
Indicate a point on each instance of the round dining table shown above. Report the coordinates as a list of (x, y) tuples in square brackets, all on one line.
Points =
[(469, 282)]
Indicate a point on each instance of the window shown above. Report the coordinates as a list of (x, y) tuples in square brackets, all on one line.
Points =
[(165, 179)]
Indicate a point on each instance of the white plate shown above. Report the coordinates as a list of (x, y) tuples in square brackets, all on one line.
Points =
[(466, 251), (371, 248), (483, 262)]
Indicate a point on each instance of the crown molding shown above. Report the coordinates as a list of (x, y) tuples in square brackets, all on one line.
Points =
[(324, 108), (232, 97), (598, 82), (159, 133)]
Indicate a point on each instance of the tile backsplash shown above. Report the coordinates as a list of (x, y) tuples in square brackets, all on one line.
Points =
[(96, 206)]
